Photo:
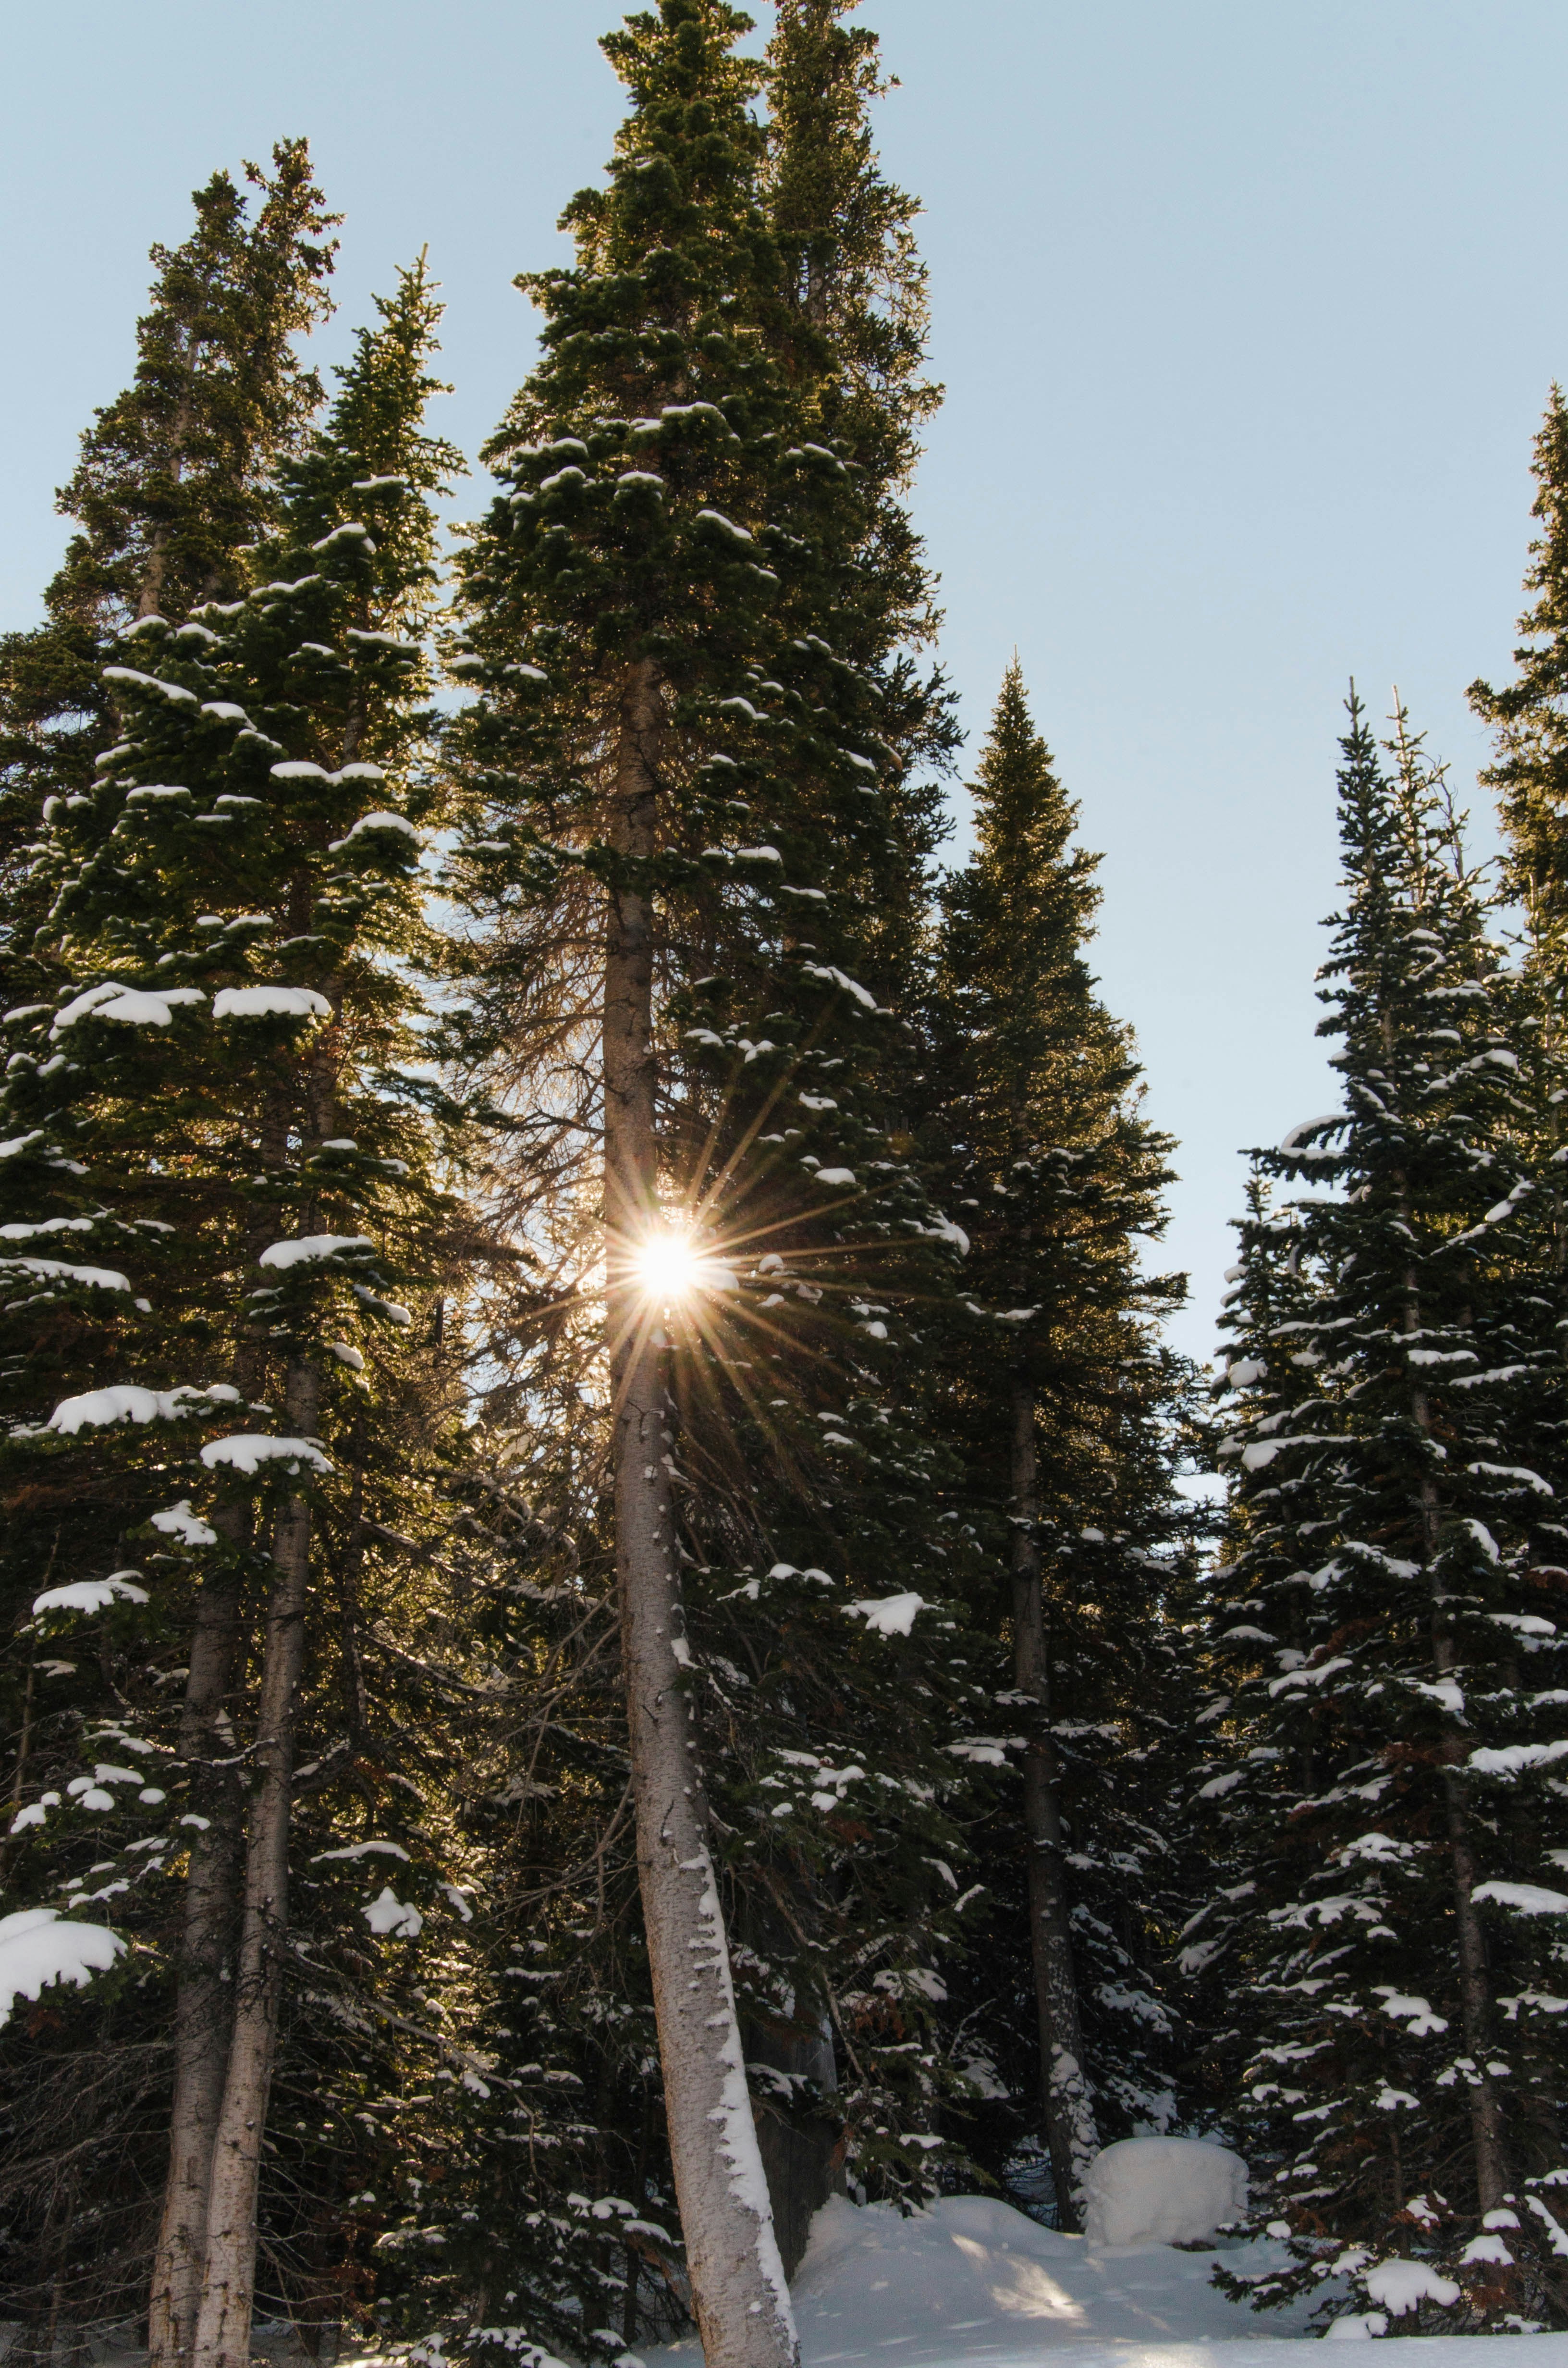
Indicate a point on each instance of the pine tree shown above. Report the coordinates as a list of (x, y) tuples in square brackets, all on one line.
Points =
[(579, 575), (174, 481), (1384, 1800), (664, 619), (1266, 1537), (1529, 717), (855, 323), (1057, 1176), (1530, 772), (215, 1116)]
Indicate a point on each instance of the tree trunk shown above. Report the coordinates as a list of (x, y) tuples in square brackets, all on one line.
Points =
[(223, 2326), (1068, 2113), (737, 2279), (204, 1991)]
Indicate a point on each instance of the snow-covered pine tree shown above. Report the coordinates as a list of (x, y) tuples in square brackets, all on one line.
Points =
[(856, 324), (1063, 1403), (174, 478), (1387, 1809), (222, 1092), (849, 337), (1266, 1536), (1529, 716), (653, 626), (613, 601)]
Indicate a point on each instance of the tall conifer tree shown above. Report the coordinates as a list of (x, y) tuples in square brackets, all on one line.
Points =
[(1529, 716), (229, 905), (1529, 771), (1393, 1714), (1057, 1393), (856, 325), (646, 340), (669, 624), (175, 477)]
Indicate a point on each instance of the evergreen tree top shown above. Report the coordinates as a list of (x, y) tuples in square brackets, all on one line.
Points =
[(1023, 819), (829, 197), (679, 235), (1018, 919), (846, 229), (175, 478), (1543, 659), (857, 315), (1528, 716), (218, 391), (371, 454), (1411, 970), (672, 59)]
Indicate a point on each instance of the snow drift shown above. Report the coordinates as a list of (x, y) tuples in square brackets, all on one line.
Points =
[(970, 2279), (1162, 2191)]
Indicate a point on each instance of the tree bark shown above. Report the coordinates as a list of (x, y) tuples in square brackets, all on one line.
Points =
[(737, 2279), (1067, 2111), (204, 1990), (223, 2324)]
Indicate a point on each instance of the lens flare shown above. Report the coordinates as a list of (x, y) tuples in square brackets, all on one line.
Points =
[(669, 1267)]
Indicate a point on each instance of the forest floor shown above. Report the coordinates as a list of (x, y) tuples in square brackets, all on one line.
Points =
[(973, 2279)]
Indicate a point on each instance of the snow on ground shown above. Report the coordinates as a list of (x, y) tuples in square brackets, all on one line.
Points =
[(972, 2279)]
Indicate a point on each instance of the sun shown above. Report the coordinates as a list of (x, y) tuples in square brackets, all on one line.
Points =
[(667, 1266)]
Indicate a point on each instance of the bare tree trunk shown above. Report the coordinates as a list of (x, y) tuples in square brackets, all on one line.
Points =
[(737, 2279), (24, 1741), (223, 2325), (1068, 2113), (357, 1698), (203, 1996), (1475, 1996), (204, 1993)]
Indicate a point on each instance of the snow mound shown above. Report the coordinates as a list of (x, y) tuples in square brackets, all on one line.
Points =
[(1162, 2191), (1401, 2285), (972, 2279)]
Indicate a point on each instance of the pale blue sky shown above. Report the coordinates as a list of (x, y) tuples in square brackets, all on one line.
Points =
[(1247, 316)]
